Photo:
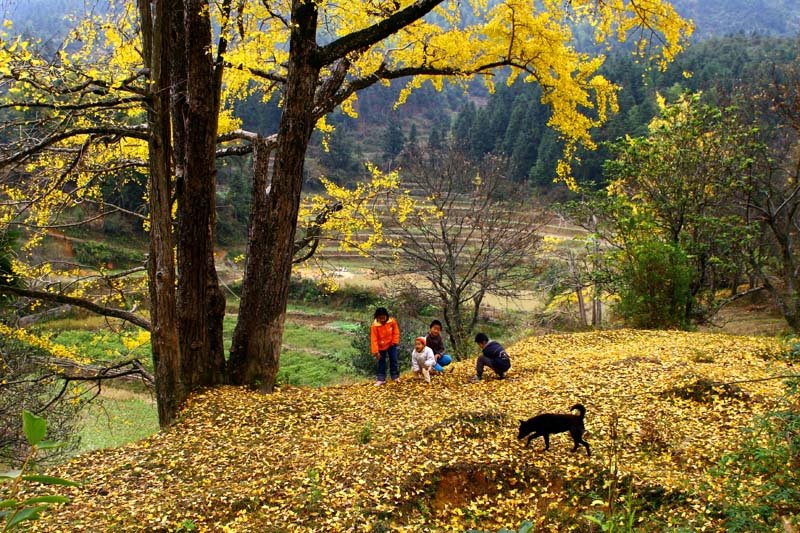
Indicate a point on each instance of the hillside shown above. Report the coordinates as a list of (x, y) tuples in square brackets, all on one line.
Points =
[(445, 456), (728, 17)]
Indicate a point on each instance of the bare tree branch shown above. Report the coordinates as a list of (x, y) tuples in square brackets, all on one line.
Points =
[(136, 132), (375, 33), (78, 302)]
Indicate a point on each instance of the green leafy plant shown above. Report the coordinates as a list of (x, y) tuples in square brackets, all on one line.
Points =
[(524, 527), (365, 435), (615, 519), (187, 525), (622, 520), (13, 510), (100, 253), (655, 285), (314, 496), (769, 455)]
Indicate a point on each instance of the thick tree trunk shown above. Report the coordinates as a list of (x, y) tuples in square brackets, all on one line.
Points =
[(250, 360), (255, 350), (161, 265), (788, 299), (201, 304)]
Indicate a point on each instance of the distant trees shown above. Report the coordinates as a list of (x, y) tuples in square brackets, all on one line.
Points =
[(668, 213), (769, 196), (393, 140), (705, 202), (514, 120), (342, 161)]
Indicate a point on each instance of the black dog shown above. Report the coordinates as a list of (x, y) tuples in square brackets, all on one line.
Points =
[(547, 424)]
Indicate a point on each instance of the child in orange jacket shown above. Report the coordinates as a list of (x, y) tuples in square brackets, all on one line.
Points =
[(384, 336)]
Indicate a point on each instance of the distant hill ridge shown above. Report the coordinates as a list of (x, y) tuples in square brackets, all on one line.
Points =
[(712, 17), (728, 17)]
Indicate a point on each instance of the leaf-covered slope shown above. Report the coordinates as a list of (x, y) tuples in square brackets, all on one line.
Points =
[(444, 456)]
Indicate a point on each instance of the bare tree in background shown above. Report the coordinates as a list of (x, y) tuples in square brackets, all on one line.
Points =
[(472, 235), (769, 195)]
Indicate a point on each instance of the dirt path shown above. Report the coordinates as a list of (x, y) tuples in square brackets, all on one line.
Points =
[(306, 319)]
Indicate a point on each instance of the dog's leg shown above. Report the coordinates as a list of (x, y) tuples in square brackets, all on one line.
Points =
[(546, 442), (576, 439), (531, 437), (588, 453)]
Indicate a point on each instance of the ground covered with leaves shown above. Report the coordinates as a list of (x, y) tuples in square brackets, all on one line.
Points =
[(444, 456)]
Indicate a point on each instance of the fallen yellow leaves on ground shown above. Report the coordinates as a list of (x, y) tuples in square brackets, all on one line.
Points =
[(444, 457)]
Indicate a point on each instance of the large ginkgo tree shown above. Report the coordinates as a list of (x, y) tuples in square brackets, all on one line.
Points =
[(148, 87)]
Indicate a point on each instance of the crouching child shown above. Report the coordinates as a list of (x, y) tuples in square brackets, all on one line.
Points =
[(422, 359)]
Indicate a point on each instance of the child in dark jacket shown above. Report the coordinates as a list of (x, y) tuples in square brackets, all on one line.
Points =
[(384, 336), (435, 342), (493, 355)]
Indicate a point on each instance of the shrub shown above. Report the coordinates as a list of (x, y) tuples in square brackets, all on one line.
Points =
[(655, 290), (8, 239), (121, 225), (28, 384), (308, 291), (14, 510), (760, 482)]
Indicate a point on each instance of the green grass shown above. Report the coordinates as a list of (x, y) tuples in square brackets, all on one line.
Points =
[(317, 352), (317, 355), (101, 345), (342, 325), (349, 315), (118, 418), (304, 368), (317, 339)]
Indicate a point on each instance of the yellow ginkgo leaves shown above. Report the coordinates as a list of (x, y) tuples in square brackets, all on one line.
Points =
[(444, 457)]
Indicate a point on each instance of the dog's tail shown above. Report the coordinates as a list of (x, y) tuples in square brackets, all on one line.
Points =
[(580, 409)]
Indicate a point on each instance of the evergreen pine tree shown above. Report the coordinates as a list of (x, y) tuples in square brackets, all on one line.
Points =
[(393, 140), (339, 161), (435, 141), (498, 116), (462, 128), (544, 171), (412, 136), (480, 137), (516, 122)]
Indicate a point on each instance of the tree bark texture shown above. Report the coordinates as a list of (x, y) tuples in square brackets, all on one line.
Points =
[(255, 350), (201, 304), (170, 391)]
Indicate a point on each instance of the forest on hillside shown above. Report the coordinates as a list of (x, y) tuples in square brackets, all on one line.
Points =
[(512, 121), (711, 17), (736, 45)]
